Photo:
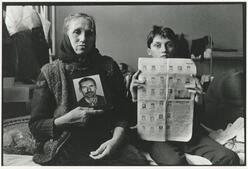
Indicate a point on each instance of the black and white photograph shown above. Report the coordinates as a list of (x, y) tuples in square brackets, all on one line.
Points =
[(71, 81), (89, 91)]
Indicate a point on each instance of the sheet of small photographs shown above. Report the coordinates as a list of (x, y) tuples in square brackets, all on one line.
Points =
[(178, 113), (164, 82), (152, 119), (159, 65), (155, 90), (176, 86)]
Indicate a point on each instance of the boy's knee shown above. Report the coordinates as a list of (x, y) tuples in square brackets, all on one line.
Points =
[(167, 154), (231, 158), (226, 157), (174, 161)]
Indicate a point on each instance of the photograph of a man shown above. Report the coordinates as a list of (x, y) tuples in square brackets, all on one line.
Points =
[(88, 88)]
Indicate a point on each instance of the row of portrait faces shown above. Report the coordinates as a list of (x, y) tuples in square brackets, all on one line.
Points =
[(154, 129), (161, 80), (160, 103), (161, 93), (153, 118), (162, 68), (152, 105)]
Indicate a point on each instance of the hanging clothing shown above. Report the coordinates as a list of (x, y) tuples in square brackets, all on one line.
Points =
[(183, 47), (8, 57), (198, 47), (31, 52)]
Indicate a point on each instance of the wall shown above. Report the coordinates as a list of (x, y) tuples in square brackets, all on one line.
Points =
[(122, 29)]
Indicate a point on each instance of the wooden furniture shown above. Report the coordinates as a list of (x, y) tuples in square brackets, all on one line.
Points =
[(221, 62), (16, 99)]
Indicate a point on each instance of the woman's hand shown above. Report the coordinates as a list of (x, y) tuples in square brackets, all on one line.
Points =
[(78, 116), (109, 147), (105, 150), (135, 84)]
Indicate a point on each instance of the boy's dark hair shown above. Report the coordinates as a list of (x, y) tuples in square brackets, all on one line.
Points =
[(124, 66), (165, 32), (84, 80)]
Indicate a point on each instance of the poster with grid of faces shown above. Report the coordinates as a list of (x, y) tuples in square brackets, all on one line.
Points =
[(165, 105)]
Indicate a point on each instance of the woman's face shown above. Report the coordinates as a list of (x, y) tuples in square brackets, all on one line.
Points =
[(161, 47), (81, 36)]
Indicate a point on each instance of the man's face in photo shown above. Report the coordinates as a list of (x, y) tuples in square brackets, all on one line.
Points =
[(88, 89)]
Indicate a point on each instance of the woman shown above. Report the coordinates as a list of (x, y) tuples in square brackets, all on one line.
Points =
[(70, 135)]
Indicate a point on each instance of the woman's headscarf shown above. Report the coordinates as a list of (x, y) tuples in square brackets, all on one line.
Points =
[(68, 55)]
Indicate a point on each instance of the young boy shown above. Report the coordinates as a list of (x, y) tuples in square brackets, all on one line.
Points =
[(162, 43)]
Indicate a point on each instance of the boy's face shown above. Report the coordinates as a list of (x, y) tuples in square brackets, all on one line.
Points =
[(161, 47)]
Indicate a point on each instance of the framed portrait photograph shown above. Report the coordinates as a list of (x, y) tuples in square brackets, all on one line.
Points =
[(90, 92)]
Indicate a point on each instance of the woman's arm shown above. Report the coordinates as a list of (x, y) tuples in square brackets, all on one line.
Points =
[(120, 114), (42, 124), (43, 104), (118, 94), (109, 147)]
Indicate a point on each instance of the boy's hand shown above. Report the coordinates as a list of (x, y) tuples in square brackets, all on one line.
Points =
[(197, 90), (135, 83)]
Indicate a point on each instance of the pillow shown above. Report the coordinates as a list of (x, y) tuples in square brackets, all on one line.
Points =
[(17, 139), (225, 100)]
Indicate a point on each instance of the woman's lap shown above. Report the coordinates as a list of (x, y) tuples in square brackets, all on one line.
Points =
[(127, 155)]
